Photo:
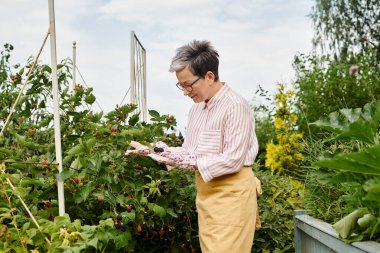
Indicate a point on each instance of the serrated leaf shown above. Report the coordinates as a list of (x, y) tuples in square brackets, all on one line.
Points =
[(131, 216), (127, 108), (84, 192), (159, 210), (106, 223), (93, 243), (76, 150), (90, 99), (134, 119), (21, 192)]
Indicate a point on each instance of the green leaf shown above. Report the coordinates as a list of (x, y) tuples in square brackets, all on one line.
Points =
[(171, 212), (367, 220), (134, 119), (366, 161), (106, 223), (345, 226), (131, 216), (90, 99), (20, 191), (93, 243), (5, 151), (65, 174), (127, 108), (60, 221), (76, 150), (359, 130), (372, 187), (159, 210), (353, 124), (154, 114), (84, 192)]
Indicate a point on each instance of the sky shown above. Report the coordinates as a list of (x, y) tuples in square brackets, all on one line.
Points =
[(256, 40)]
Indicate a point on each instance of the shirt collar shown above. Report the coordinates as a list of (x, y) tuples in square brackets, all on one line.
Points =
[(214, 100)]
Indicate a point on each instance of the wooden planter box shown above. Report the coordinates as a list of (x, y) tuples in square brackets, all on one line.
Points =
[(315, 236)]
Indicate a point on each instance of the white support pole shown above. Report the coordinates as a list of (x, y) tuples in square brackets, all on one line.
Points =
[(144, 107), (74, 64), (57, 125), (133, 74)]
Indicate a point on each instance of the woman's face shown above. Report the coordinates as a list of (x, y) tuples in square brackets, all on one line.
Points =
[(200, 90)]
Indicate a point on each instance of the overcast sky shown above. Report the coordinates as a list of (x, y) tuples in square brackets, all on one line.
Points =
[(256, 40)]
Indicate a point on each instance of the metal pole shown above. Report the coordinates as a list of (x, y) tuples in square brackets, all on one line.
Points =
[(57, 127), (74, 64), (133, 74)]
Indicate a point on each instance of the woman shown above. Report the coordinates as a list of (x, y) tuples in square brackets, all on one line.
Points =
[(220, 145)]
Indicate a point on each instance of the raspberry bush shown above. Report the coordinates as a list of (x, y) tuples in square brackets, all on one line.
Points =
[(113, 203)]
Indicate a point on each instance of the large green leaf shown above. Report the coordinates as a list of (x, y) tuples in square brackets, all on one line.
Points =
[(366, 161), (358, 124), (345, 226)]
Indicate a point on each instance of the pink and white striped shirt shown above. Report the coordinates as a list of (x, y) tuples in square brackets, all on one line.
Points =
[(221, 134)]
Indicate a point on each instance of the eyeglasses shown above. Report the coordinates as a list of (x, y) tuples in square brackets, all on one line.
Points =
[(188, 87)]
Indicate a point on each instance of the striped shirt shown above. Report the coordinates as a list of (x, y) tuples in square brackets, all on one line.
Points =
[(221, 134)]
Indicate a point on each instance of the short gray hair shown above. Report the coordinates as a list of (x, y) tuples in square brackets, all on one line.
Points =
[(199, 56)]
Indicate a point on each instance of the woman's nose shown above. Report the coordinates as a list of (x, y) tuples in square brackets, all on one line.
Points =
[(186, 92)]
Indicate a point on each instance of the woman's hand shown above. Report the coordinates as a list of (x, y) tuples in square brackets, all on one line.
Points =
[(139, 149)]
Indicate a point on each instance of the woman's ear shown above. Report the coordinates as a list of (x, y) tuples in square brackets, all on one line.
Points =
[(210, 77)]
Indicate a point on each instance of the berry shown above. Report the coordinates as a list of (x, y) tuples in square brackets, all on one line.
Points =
[(158, 150), (146, 216), (119, 217), (162, 232), (144, 227), (117, 225), (123, 227), (139, 229), (100, 199), (128, 208), (40, 204), (154, 233), (137, 167), (4, 229), (39, 187), (76, 180), (31, 188)]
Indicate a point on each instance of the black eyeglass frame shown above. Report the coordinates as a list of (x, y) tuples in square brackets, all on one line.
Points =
[(188, 87)]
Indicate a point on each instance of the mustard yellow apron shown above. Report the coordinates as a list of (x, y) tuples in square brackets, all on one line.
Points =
[(227, 212)]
